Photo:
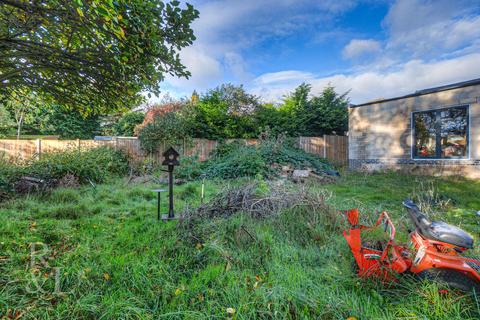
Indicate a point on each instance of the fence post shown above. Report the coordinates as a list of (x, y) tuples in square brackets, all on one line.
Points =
[(325, 146), (39, 149)]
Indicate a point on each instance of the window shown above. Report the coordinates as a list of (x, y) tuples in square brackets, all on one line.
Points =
[(441, 134)]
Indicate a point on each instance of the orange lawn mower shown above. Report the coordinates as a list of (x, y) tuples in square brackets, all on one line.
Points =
[(434, 253)]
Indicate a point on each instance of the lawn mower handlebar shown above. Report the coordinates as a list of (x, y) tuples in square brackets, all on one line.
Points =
[(388, 223)]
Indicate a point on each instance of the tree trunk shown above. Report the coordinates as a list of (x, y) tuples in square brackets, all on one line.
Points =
[(19, 126)]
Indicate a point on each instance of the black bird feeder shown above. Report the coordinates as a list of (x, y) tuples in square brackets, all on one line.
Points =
[(170, 160)]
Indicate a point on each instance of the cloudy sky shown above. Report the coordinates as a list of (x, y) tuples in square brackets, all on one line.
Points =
[(374, 48)]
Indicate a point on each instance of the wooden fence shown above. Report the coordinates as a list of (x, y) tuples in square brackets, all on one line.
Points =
[(334, 148)]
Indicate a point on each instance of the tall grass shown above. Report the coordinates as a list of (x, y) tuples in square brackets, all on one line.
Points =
[(118, 262)]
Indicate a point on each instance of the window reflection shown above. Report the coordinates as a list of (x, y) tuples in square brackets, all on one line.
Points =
[(454, 132), (425, 134), (441, 133)]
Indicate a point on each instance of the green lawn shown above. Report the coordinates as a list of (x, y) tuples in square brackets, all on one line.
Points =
[(117, 262)]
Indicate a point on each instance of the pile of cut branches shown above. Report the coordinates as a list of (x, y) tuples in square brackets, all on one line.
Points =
[(252, 199)]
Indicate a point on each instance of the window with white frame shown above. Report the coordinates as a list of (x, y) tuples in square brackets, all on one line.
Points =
[(441, 133)]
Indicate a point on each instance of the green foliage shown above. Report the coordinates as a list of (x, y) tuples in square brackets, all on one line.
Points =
[(229, 112), (225, 112), (189, 191), (316, 115), (32, 115), (282, 150), (168, 129), (94, 165), (20, 106), (6, 122), (127, 123), (245, 161), (236, 159), (64, 122), (294, 109), (190, 168), (116, 261), (94, 55), (326, 113)]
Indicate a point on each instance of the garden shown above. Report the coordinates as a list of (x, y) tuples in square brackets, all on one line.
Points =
[(258, 228), (86, 243)]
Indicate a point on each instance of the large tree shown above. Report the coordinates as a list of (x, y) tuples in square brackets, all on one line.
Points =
[(21, 105), (225, 112), (94, 55), (326, 113)]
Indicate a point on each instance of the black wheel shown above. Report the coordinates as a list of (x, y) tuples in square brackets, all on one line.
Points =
[(452, 278)]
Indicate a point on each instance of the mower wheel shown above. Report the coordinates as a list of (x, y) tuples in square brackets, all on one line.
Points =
[(452, 278)]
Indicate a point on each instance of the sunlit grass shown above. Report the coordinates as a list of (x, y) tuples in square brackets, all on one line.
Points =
[(118, 262)]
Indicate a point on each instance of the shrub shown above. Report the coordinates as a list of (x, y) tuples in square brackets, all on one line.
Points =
[(127, 123), (235, 159), (244, 161), (94, 165), (167, 128), (190, 168)]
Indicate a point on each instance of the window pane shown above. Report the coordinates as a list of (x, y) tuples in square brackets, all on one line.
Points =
[(454, 132), (425, 134)]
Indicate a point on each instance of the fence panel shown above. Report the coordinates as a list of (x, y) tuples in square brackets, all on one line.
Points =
[(337, 149), (334, 148), (18, 149)]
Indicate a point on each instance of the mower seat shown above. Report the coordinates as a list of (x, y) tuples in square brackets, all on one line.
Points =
[(444, 232), (437, 230)]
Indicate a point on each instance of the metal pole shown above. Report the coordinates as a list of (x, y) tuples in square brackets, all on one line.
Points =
[(170, 192)]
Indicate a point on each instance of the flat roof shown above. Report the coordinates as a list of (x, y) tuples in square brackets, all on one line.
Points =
[(424, 91)]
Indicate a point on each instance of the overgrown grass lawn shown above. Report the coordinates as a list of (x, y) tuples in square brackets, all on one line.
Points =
[(106, 256)]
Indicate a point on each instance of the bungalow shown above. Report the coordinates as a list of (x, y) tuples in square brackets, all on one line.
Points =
[(433, 131)]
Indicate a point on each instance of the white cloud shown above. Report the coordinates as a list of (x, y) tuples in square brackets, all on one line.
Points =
[(205, 70), (432, 28), (360, 47), (237, 66), (283, 77), (226, 28), (428, 43), (406, 78)]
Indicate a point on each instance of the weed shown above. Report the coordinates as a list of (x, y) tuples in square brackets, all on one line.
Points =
[(117, 261)]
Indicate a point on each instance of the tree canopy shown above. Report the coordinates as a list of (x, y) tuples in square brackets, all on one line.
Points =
[(93, 55), (125, 126), (228, 111)]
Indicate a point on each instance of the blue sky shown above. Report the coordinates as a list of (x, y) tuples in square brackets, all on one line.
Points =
[(374, 48)]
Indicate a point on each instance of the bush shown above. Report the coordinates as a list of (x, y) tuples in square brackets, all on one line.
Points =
[(127, 123), (166, 129), (190, 168), (94, 165), (244, 161), (235, 159)]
